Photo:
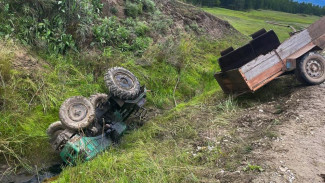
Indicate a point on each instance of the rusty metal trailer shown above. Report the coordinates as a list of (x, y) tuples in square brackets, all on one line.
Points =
[(252, 66)]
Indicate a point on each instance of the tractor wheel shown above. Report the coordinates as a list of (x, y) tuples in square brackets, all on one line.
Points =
[(122, 83), (311, 69), (98, 99), (54, 130), (77, 113)]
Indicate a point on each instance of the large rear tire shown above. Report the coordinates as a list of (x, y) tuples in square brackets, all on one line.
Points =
[(77, 113), (311, 69), (122, 83)]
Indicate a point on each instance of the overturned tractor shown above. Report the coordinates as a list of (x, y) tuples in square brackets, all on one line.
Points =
[(88, 126)]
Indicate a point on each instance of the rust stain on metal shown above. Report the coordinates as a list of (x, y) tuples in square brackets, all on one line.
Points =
[(320, 42), (302, 51), (267, 76), (317, 29), (235, 81)]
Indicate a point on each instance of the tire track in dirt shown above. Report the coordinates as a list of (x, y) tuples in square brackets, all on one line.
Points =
[(298, 152)]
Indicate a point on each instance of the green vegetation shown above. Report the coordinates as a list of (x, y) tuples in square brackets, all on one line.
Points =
[(253, 168), (252, 21), (62, 26), (190, 142)]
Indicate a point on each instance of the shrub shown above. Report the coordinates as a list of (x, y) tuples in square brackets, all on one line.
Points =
[(148, 5), (111, 33), (141, 29), (141, 43), (57, 25), (114, 10), (161, 23), (132, 9)]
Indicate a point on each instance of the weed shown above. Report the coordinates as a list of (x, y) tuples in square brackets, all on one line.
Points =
[(114, 10), (250, 167), (229, 105), (141, 29), (132, 9)]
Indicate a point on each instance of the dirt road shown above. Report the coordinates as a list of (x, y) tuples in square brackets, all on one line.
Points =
[(297, 151)]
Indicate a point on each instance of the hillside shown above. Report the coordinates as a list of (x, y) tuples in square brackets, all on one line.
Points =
[(44, 61), (194, 132)]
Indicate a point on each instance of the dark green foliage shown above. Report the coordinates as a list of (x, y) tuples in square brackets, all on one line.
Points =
[(53, 25), (133, 9), (148, 5), (278, 5), (141, 29), (60, 26), (110, 32)]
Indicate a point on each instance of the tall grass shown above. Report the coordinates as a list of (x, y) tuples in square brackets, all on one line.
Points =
[(30, 99)]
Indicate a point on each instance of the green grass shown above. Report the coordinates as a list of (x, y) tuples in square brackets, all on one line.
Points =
[(167, 149), (248, 22), (31, 100), (185, 144)]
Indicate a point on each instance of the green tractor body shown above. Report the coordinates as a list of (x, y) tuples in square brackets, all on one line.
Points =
[(80, 148), (90, 126)]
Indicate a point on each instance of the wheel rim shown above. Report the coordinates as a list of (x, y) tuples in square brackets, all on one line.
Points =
[(315, 68), (77, 112), (124, 81)]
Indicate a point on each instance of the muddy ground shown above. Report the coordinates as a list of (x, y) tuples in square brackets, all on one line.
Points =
[(292, 147)]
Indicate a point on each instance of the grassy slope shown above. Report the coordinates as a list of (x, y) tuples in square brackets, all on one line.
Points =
[(249, 22), (167, 148), (32, 100), (183, 145)]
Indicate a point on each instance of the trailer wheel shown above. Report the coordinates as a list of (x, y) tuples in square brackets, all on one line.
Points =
[(311, 69), (77, 113), (122, 83)]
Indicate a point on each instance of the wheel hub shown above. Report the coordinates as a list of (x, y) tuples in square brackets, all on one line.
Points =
[(124, 81), (77, 112), (315, 68)]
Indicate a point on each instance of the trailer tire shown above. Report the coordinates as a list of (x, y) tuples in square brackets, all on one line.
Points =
[(122, 83), (77, 113), (311, 69)]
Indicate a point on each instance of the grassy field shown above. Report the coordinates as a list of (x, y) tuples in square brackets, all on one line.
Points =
[(251, 21)]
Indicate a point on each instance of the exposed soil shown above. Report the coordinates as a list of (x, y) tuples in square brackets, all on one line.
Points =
[(184, 18), (295, 124), (22, 60), (187, 16), (113, 5)]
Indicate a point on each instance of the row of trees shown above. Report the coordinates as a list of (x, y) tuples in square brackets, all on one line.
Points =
[(279, 5)]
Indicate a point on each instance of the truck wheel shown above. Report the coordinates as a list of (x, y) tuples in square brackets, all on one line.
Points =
[(98, 99), (54, 130), (77, 113), (311, 69), (122, 83)]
